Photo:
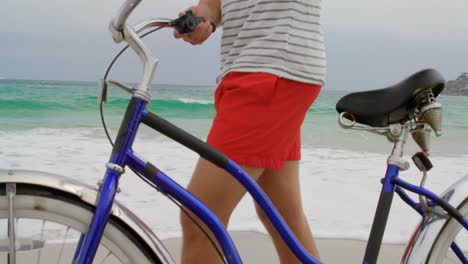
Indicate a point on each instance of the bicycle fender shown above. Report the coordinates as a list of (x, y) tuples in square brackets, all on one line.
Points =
[(88, 194), (426, 232)]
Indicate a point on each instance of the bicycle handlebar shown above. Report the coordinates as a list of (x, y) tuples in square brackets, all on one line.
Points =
[(125, 10), (121, 31)]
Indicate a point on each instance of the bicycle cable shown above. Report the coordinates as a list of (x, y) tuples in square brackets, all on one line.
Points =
[(172, 199)]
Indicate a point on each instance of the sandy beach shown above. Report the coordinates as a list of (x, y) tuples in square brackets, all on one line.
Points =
[(256, 247)]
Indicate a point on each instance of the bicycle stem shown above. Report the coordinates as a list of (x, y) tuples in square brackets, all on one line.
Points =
[(143, 90), (121, 31)]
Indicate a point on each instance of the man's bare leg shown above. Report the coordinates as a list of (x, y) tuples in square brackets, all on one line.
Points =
[(283, 189), (221, 193)]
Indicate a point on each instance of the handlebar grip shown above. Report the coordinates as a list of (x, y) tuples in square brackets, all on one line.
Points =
[(213, 25), (188, 23)]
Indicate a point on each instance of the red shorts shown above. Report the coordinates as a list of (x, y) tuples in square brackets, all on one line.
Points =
[(258, 118)]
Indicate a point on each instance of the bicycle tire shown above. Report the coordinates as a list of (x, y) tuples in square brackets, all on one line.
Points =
[(440, 251), (53, 207)]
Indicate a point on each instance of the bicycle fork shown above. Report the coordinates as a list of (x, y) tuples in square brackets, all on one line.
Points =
[(88, 243)]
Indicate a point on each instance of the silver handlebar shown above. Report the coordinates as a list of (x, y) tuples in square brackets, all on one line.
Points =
[(154, 22), (121, 31), (124, 12)]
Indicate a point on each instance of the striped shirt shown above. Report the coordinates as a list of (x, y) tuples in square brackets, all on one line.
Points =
[(281, 37)]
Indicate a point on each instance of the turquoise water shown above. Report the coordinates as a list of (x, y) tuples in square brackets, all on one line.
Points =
[(26, 105), (55, 127)]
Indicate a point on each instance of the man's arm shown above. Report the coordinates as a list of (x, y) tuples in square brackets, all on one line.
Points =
[(212, 9)]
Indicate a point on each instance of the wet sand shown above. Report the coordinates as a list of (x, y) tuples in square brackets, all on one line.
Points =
[(255, 247)]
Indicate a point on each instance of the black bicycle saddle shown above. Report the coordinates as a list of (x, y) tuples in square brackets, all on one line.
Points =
[(379, 108)]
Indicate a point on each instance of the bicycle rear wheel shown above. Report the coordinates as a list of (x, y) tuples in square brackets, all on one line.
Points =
[(47, 225), (452, 231)]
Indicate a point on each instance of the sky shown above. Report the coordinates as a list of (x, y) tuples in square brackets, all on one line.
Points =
[(370, 43)]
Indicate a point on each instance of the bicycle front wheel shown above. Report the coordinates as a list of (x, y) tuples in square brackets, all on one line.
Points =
[(45, 225)]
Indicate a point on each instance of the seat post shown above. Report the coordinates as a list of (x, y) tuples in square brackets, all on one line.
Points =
[(398, 135)]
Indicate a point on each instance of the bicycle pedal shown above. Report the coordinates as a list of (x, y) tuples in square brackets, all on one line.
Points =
[(422, 161)]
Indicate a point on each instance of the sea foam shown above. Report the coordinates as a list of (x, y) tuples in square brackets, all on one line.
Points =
[(339, 187)]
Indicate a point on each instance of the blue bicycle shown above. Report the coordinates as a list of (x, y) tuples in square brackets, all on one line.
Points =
[(52, 218)]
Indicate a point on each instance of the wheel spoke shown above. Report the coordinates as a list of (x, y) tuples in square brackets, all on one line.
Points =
[(11, 192), (105, 258), (63, 244), (42, 239)]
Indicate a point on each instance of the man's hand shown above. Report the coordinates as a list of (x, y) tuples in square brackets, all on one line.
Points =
[(201, 33)]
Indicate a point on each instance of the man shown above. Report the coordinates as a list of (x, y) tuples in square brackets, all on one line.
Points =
[(272, 70)]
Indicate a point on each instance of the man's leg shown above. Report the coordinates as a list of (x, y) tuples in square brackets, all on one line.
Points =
[(221, 193), (283, 189)]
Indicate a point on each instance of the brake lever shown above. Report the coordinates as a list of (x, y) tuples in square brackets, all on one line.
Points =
[(188, 23), (102, 95)]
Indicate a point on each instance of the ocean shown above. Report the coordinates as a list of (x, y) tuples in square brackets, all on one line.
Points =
[(55, 127)]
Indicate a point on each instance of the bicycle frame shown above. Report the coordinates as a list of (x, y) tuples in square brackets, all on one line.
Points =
[(122, 156)]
